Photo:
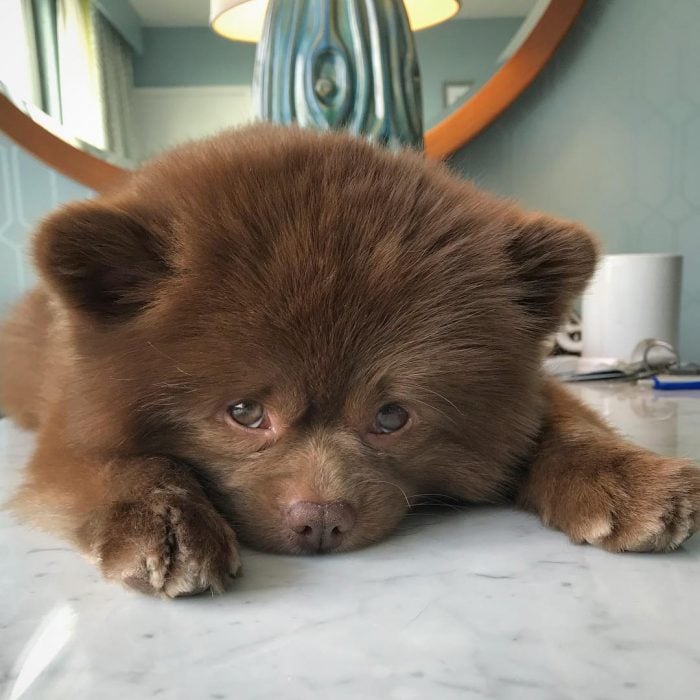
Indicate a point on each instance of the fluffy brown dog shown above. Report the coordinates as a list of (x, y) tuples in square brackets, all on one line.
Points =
[(291, 336)]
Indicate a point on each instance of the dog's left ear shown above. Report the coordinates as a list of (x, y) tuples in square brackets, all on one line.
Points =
[(553, 260)]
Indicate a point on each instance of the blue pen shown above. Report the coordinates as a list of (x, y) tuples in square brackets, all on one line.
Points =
[(670, 383)]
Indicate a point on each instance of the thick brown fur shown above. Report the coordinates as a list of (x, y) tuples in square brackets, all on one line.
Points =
[(322, 277)]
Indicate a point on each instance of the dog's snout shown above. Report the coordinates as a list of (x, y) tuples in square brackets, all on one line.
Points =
[(320, 527)]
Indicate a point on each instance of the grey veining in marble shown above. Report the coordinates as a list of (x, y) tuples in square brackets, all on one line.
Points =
[(459, 603)]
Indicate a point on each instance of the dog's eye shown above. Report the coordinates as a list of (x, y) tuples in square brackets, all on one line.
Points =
[(390, 418), (250, 414)]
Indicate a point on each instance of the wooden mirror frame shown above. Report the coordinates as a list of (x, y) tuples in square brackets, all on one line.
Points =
[(506, 84)]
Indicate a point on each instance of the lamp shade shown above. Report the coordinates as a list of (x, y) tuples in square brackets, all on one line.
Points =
[(242, 20), (427, 13)]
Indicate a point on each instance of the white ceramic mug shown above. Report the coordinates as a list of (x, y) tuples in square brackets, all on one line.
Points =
[(630, 298)]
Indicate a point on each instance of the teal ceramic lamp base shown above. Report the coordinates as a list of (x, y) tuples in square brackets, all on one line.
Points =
[(347, 64)]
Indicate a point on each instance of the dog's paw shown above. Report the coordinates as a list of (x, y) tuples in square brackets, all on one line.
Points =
[(639, 503), (168, 544)]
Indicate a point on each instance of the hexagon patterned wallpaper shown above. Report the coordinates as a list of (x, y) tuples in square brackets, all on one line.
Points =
[(609, 134), (28, 191)]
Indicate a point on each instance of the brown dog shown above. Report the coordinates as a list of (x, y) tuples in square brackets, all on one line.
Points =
[(291, 336)]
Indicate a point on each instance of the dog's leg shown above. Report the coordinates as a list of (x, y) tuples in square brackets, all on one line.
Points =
[(145, 520), (24, 359), (596, 487)]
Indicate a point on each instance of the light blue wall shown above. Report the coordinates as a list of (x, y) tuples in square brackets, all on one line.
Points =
[(460, 50), (610, 134), (28, 191), (175, 56)]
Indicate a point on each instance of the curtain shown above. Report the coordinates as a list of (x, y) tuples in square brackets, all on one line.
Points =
[(85, 73), (19, 73), (115, 68), (80, 85), (47, 56)]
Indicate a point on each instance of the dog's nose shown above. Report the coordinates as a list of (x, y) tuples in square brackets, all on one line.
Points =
[(320, 527)]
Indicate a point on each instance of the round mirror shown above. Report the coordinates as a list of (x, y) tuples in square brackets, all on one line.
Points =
[(96, 88)]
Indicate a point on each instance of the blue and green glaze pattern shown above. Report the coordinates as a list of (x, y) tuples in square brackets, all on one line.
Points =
[(341, 64)]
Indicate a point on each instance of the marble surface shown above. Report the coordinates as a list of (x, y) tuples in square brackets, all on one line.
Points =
[(459, 603)]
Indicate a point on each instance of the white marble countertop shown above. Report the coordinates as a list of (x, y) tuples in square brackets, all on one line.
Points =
[(468, 603)]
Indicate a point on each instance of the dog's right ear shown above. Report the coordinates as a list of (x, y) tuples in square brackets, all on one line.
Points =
[(100, 260)]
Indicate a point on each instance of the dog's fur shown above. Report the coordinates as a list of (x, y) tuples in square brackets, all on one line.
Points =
[(322, 277)]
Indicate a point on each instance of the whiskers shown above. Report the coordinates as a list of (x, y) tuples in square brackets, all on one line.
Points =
[(417, 389), (438, 496), (389, 483), (433, 407), (436, 500), (440, 396), (418, 500), (164, 354)]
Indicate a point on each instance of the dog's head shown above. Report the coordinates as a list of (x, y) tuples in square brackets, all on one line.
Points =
[(324, 329)]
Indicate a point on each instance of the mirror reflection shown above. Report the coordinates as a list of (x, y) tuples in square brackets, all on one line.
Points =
[(131, 78)]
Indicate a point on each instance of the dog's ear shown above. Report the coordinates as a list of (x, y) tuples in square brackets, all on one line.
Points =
[(100, 260), (553, 261)]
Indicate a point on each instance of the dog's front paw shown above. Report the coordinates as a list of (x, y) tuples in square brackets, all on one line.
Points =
[(639, 502), (167, 544)]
